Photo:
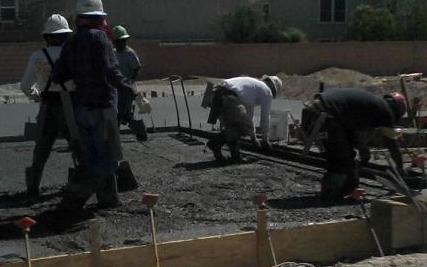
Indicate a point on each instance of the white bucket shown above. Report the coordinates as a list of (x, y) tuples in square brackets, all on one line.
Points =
[(279, 125)]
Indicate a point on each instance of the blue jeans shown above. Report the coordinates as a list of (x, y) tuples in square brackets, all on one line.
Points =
[(99, 140)]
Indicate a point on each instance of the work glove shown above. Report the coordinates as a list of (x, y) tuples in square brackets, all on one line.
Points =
[(34, 95)]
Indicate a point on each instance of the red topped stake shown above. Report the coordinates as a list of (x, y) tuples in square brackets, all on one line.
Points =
[(25, 224), (150, 199), (260, 200)]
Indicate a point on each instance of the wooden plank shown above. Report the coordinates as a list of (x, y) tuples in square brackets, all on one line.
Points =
[(398, 224), (322, 243), (231, 251), (76, 260)]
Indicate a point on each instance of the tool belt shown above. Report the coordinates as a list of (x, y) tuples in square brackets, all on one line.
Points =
[(216, 105)]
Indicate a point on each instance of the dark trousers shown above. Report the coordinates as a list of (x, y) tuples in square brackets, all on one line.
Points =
[(51, 123), (340, 153), (100, 152)]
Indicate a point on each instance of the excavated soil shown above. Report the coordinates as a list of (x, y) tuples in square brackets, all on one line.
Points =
[(198, 197), (302, 87)]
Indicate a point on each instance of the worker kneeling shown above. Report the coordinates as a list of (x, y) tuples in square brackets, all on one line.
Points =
[(351, 115), (233, 103)]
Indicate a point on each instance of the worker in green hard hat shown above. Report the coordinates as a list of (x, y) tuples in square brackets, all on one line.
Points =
[(129, 65)]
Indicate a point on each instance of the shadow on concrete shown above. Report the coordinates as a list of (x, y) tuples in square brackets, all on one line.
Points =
[(305, 202), (48, 223), (201, 165), (21, 200), (186, 139)]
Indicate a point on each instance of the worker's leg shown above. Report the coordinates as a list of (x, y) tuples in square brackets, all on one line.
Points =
[(215, 145), (98, 160), (46, 138), (341, 177), (125, 100), (138, 128), (79, 189), (232, 137), (107, 193)]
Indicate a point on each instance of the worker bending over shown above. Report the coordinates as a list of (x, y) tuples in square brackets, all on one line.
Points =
[(88, 59), (129, 66), (351, 114), (37, 85), (233, 104)]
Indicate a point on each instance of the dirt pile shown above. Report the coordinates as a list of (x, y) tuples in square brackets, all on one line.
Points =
[(412, 260), (302, 87)]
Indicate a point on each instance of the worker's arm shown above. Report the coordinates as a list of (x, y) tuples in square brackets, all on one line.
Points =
[(109, 64), (390, 141), (29, 79), (250, 113), (136, 66), (135, 74), (265, 117)]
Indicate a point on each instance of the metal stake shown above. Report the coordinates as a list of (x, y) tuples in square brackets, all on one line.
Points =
[(176, 104), (186, 104)]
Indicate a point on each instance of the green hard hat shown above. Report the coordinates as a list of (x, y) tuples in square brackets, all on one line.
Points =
[(120, 32)]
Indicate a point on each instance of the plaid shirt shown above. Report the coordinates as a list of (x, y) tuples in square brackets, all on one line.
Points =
[(88, 58)]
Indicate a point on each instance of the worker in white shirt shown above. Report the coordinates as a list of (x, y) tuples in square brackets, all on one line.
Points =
[(37, 85), (233, 104)]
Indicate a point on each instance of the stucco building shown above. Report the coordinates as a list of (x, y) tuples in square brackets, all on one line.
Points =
[(183, 20)]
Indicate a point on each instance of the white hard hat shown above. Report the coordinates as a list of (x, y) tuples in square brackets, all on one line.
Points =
[(90, 7), (56, 24), (276, 81)]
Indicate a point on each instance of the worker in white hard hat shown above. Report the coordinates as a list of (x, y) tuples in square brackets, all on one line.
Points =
[(37, 85), (88, 58), (233, 104), (129, 65)]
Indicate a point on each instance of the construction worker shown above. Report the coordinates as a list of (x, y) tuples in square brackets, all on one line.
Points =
[(349, 115), (233, 104), (88, 59), (37, 85), (129, 65)]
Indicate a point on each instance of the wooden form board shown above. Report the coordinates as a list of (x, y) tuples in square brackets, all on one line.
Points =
[(323, 243), (398, 224)]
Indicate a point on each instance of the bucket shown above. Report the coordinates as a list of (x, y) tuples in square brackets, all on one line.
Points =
[(279, 125)]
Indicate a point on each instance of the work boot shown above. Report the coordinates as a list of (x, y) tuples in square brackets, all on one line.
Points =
[(107, 195), (32, 183), (236, 157), (138, 128), (334, 186), (215, 147)]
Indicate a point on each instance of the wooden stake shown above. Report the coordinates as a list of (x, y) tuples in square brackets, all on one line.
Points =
[(27, 249), (264, 243), (150, 200), (153, 237), (25, 225), (95, 243)]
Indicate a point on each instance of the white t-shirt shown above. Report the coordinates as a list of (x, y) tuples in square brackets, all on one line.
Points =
[(253, 92), (38, 70)]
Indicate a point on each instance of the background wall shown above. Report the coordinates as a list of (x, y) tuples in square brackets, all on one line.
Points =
[(159, 60)]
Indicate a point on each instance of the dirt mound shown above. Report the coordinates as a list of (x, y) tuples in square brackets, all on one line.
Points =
[(302, 87), (412, 260)]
